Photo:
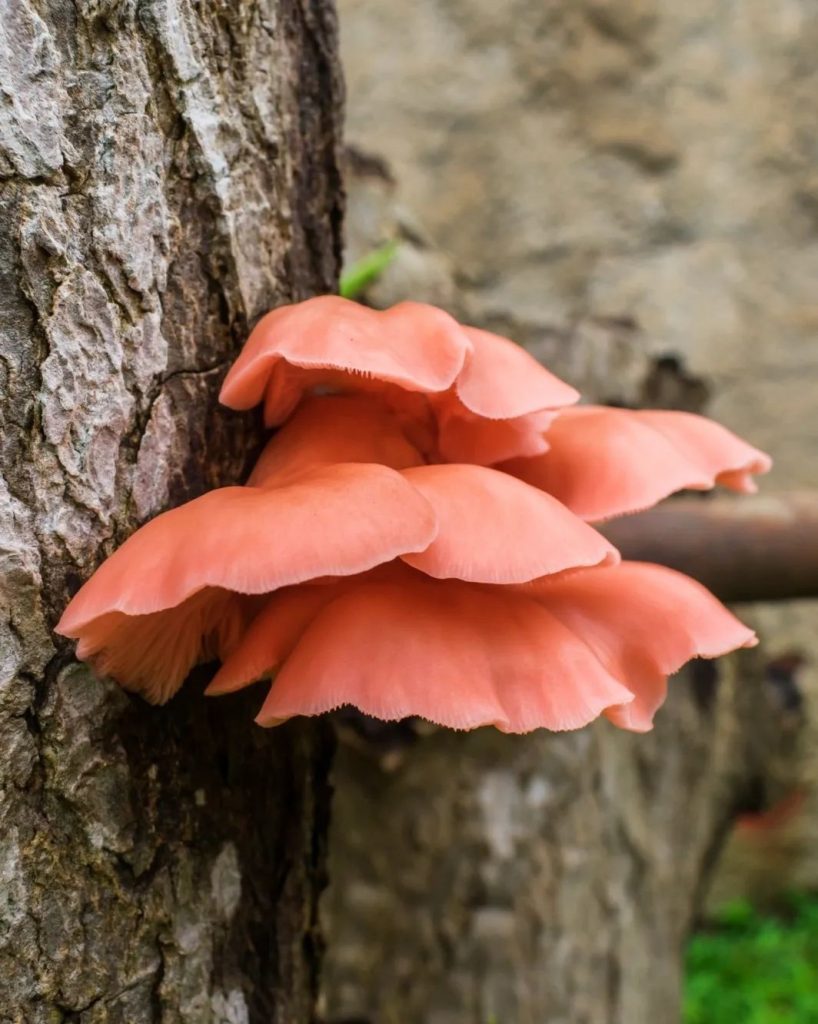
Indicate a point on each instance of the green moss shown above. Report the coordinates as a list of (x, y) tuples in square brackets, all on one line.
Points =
[(750, 968)]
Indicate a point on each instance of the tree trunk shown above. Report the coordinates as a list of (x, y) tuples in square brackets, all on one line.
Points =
[(168, 171)]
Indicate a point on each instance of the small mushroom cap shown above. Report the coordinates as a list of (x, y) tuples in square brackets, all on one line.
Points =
[(495, 529), (502, 403), (328, 429), (501, 381), (643, 622), (605, 462), (464, 437), (454, 653), (280, 623), (330, 341), (272, 635)]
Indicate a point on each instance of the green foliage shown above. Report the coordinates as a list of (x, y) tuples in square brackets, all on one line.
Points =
[(755, 969), (366, 270)]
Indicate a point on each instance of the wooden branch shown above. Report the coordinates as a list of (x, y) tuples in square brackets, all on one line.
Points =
[(759, 548)]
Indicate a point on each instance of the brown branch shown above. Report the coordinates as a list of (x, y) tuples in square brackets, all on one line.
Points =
[(762, 548)]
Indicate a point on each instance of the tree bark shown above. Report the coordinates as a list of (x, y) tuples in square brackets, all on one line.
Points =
[(168, 171)]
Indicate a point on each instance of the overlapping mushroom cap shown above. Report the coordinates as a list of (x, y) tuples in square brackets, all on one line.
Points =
[(553, 654), (414, 541), (605, 462), (488, 399)]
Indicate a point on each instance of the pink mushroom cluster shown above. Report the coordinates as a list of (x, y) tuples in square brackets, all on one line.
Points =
[(416, 538)]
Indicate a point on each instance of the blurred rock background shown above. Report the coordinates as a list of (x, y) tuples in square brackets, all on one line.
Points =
[(629, 188)]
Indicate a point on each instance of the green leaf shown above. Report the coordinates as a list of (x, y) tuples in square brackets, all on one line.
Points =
[(366, 270)]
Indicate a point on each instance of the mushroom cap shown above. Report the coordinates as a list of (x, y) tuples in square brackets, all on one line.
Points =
[(464, 437), (492, 528), (464, 654), (501, 404), (138, 616), (273, 633), (605, 462), (500, 380), (327, 429), (455, 653), (495, 529), (331, 521), (333, 342), (643, 622), (282, 619), (487, 393)]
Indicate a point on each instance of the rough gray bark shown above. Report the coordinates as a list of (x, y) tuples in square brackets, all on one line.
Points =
[(167, 172), (550, 879)]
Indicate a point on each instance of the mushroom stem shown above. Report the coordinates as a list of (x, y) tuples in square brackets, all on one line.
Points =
[(763, 548)]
